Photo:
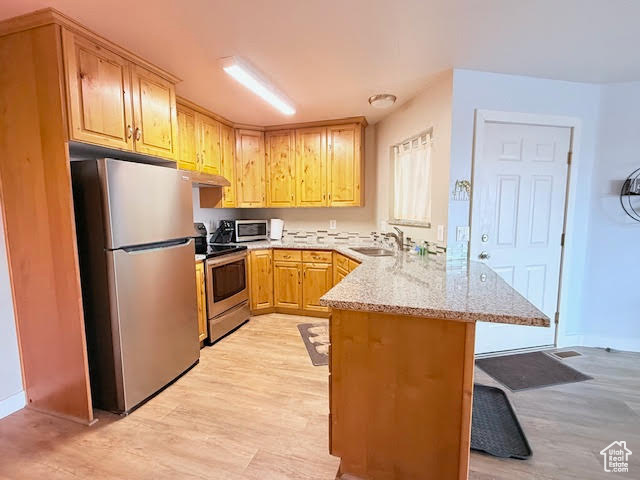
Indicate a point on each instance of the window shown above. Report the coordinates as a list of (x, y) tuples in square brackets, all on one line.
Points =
[(412, 181)]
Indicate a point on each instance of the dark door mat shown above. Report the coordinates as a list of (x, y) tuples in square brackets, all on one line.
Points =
[(495, 429), (529, 370), (567, 354), (316, 339)]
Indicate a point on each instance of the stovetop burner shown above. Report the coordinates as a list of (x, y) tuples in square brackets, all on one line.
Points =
[(217, 249)]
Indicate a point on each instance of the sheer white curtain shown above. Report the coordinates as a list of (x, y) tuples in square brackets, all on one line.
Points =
[(412, 180)]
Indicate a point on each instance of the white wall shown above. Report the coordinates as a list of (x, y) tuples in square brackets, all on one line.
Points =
[(611, 301), (11, 393), (429, 109), (480, 90)]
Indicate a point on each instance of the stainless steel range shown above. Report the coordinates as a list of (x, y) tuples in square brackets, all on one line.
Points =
[(227, 291)]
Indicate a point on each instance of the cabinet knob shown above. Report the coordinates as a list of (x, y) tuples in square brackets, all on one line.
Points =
[(129, 131), (138, 134)]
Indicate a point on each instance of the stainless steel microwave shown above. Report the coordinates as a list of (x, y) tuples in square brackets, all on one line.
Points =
[(248, 230)]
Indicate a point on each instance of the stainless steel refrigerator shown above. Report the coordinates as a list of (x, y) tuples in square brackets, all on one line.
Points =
[(134, 225)]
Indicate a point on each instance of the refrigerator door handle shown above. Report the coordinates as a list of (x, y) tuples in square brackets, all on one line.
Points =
[(149, 247)]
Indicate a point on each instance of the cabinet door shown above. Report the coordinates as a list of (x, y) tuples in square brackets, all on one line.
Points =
[(339, 274), (287, 284), (210, 144), (250, 168), (281, 168), (317, 280), (154, 113), (261, 285), (353, 264), (311, 167), (228, 167), (99, 94), (187, 148), (202, 301), (344, 168)]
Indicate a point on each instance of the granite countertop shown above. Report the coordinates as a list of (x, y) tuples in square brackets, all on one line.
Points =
[(425, 286)]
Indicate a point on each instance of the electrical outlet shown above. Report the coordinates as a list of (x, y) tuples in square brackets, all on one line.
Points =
[(441, 233), (462, 234), (332, 225)]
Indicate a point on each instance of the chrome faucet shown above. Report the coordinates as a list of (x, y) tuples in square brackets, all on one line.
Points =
[(399, 236)]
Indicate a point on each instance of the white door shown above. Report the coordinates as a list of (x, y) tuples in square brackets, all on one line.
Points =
[(517, 217)]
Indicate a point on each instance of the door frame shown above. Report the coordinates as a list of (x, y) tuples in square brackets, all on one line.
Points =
[(482, 117)]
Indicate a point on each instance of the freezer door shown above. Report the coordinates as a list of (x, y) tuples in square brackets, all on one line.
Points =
[(154, 314), (144, 203)]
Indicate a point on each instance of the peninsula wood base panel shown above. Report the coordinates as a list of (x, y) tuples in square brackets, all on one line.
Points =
[(400, 393)]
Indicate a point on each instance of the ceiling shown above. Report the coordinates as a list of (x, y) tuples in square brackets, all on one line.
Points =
[(329, 56)]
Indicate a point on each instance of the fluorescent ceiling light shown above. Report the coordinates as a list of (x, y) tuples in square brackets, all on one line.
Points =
[(248, 76)]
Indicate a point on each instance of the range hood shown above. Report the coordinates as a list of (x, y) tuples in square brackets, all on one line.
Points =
[(199, 179)]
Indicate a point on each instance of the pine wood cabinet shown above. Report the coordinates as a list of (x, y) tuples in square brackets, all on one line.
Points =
[(250, 168), (116, 103), (154, 114), (287, 284), (344, 165), (228, 165), (261, 280), (340, 267), (201, 302), (311, 167), (98, 93), (187, 139), (210, 148), (317, 279), (281, 168)]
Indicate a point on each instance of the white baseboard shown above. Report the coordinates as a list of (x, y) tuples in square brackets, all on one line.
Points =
[(599, 341), (12, 404)]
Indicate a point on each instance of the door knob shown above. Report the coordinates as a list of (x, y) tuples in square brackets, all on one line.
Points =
[(484, 256)]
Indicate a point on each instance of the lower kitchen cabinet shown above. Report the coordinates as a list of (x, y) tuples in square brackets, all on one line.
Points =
[(287, 285), (201, 301), (317, 279), (339, 274), (292, 281), (261, 280)]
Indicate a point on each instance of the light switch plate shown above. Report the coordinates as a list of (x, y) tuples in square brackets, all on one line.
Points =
[(332, 225), (440, 233), (462, 234)]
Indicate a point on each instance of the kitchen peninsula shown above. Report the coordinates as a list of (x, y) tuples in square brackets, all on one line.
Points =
[(402, 333)]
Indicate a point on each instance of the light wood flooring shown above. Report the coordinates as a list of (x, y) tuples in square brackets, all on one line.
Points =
[(255, 408)]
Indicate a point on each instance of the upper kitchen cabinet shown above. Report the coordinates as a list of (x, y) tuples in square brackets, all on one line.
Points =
[(210, 144), (99, 93), (116, 100), (187, 139), (154, 113), (311, 167), (344, 165), (228, 165), (250, 168), (281, 168)]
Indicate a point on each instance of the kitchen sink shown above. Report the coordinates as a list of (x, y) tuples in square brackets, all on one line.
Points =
[(374, 251)]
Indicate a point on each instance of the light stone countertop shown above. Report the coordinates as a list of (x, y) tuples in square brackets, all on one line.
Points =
[(424, 286)]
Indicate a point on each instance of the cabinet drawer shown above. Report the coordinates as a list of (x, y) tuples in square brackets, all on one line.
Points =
[(316, 256), (342, 262), (287, 255)]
